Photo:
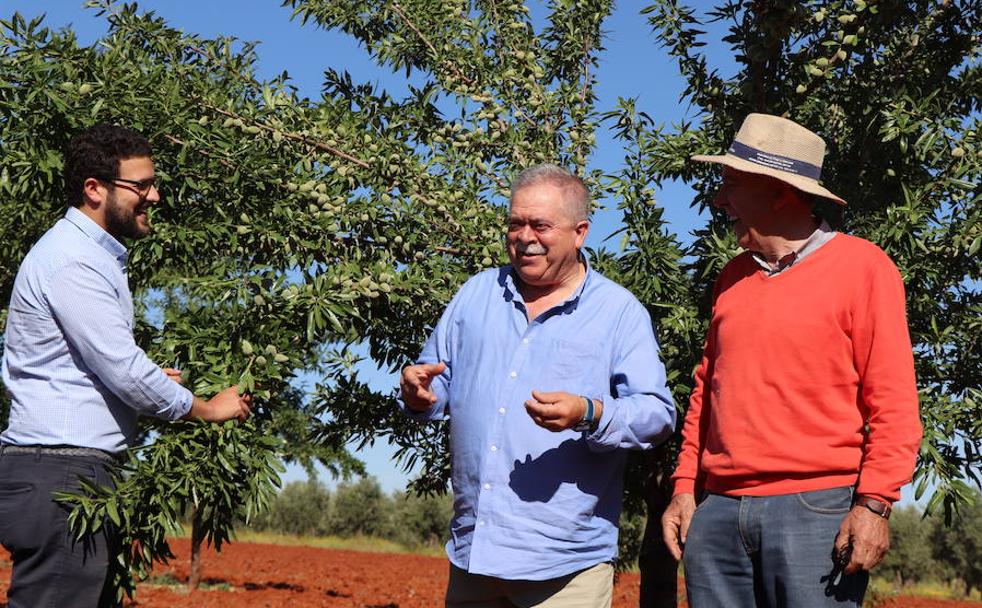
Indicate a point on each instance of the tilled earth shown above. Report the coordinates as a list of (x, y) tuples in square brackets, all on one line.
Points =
[(251, 575)]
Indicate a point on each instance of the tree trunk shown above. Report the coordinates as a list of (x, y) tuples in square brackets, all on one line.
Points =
[(197, 536), (659, 570)]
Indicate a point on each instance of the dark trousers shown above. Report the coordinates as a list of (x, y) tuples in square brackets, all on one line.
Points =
[(51, 569)]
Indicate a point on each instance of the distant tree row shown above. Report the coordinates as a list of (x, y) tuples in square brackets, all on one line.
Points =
[(358, 508), (361, 508), (923, 549)]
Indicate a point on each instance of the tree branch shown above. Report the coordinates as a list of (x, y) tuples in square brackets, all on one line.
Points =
[(405, 18), (204, 152), (292, 136), (585, 87)]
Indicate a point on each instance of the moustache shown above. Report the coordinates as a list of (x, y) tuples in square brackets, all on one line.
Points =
[(531, 249)]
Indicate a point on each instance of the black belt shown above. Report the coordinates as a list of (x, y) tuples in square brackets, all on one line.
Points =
[(59, 450)]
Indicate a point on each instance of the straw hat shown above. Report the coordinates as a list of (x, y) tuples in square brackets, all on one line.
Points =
[(780, 148)]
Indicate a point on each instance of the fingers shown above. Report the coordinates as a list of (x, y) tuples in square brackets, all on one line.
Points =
[(418, 393), (865, 556), (553, 397), (670, 534), (432, 369), (675, 523), (555, 411), (864, 537), (226, 405), (415, 385), (245, 408), (548, 416), (423, 396), (544, 416), (684, 527), (422, 374), (536, 409), (240, 404), (841, 544), (173, 374)]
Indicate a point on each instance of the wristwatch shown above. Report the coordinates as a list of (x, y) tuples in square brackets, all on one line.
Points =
[(883, 509), (586, 424)]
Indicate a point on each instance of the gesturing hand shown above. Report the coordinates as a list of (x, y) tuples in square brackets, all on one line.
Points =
[(675, 523), (558, 411), (415, 385)]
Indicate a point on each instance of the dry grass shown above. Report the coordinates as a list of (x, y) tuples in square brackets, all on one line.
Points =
[(881, 587), (354, 543)]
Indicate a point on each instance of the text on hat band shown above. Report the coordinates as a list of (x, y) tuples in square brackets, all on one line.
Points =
[(774, 161)]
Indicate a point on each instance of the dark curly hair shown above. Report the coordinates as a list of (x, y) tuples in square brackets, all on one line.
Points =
[(96, 151)]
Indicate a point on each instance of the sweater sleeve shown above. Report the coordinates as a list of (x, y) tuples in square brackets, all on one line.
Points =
[(888, 391), (687, 472), (696, 422)]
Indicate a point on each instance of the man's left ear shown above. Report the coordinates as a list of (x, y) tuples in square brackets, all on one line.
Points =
[(785, 195), (792, 197), (93, 192), (582, 228)]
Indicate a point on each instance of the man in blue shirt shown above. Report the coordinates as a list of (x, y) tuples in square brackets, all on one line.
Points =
[(546, 370), (77, 381)]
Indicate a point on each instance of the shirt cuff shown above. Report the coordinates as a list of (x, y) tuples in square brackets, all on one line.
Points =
[(888, 499), (185, 399), (435, 412), (605, 438)]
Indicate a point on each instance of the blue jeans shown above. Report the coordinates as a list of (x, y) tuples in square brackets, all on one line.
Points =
[(769, 551)]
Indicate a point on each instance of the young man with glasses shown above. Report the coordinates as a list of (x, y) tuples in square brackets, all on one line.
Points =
[(76, 379)]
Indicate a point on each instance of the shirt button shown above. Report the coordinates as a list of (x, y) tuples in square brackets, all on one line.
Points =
[(501, 410), (487, 486), (480, 523), (514, 374), (494, 448), (525, 340)]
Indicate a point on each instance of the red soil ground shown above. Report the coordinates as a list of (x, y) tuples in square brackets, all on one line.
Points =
[(272, 576)]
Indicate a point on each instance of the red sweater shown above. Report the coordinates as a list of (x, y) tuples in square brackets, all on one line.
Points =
[(794, 368)]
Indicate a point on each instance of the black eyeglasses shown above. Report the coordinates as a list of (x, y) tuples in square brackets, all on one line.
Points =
[(141, 187)]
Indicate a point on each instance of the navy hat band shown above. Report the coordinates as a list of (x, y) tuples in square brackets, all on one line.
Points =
[(781, 163)]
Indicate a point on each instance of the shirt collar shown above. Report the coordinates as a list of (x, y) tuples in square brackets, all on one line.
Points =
[(819, 237), (94, 231), (506, 278)]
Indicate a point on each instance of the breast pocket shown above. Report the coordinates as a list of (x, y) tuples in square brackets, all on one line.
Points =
[(577, 367)]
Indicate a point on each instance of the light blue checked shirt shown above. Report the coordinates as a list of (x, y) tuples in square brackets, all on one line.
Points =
[(530, 503), (74, 374)]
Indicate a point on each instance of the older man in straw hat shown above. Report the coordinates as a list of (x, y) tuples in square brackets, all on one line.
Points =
[(803, 424)]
